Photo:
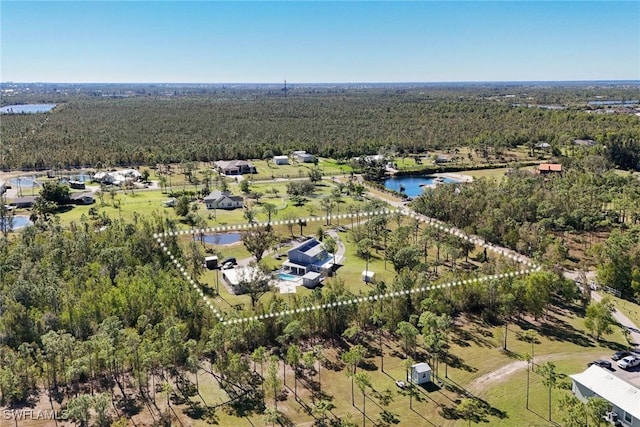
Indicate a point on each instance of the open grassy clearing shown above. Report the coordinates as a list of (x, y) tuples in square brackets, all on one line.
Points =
[(474, 354)]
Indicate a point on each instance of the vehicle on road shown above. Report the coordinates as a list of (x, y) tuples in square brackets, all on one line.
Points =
[(621, 354), (602, 363), (628, 362)]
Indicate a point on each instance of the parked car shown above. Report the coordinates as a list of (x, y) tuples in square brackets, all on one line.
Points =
[(227, 265), (621, 354), (401, 384), (232, 260), (628, 362), (602, 363)]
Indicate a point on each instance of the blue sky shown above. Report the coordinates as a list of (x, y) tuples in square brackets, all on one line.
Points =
[(316, 42)]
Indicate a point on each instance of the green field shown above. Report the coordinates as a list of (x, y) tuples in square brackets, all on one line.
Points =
[(474, 355)]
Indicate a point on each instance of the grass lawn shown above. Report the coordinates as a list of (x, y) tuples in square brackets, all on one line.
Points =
[(477, 366), (628, 308), (487, 173)]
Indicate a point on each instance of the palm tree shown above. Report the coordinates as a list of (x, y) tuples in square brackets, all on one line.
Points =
[(549, 378), (363, 381), (293, 358)]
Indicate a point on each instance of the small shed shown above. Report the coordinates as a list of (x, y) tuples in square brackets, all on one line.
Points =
[(280, 160), (311, 279), (420, 373), (211, 262), (368, 276)]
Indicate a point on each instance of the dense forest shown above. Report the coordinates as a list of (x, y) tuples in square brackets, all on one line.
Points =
[(94, 308), (143, 126), (531, 213), (97, 308)]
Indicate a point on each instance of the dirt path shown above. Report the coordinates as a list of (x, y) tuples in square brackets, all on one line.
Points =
[(500, 375)]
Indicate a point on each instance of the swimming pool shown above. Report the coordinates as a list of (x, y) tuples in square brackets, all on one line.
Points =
[(288, 277)]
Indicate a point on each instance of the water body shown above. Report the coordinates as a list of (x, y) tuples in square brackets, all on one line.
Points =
[(81, 177), (19, 221), (221, 238), (288, 277), (27, 108), (413, 184), (23, 182)]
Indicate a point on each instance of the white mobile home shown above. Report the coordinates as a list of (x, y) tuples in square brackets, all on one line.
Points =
[(623, 397)]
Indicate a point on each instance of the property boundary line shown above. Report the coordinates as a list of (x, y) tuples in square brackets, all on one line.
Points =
[(356, 300)]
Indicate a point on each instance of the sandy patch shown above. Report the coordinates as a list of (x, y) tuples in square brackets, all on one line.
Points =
[(456, 176)]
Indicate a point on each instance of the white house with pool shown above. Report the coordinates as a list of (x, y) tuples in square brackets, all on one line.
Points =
[(308, 263)]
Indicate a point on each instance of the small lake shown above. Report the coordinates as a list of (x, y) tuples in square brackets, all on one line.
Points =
[(412, 184), (221, 238), (23, 182), (19, 221), (27, 108)]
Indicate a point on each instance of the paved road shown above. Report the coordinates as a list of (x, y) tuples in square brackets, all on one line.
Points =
[(569, 274), (634, 331)]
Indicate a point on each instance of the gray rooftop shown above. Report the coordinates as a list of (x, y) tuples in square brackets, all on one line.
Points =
[(608, 386)]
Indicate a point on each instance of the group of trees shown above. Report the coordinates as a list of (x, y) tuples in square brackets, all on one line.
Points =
[(618, 261), (85, 131), (527, 212)]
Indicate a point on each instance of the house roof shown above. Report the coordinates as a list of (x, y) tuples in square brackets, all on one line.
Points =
[(218, 195), (421, 367), (314, 250), (550, 167), (293, 264), (22, 200), (606, 385), (214, 195), (233, 164), (281, 157), (311, 275), (78, 196)]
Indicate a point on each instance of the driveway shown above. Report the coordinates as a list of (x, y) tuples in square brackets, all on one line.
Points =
[(625, 322)]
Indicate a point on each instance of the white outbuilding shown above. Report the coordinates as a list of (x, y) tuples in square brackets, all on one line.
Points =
[(420, 373), (280, 160), (368, 276)]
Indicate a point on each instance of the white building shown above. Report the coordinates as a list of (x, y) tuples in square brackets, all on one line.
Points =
[(420, 373), (280, 160), (238, 277), (623, 397), (303, 156)]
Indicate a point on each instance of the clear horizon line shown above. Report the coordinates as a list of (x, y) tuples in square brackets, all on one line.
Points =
[(324, 83)]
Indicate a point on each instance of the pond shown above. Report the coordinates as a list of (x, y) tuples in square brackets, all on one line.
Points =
[(19, 221), (27, 108), (23, 182), (413, 185), (221, 238)]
